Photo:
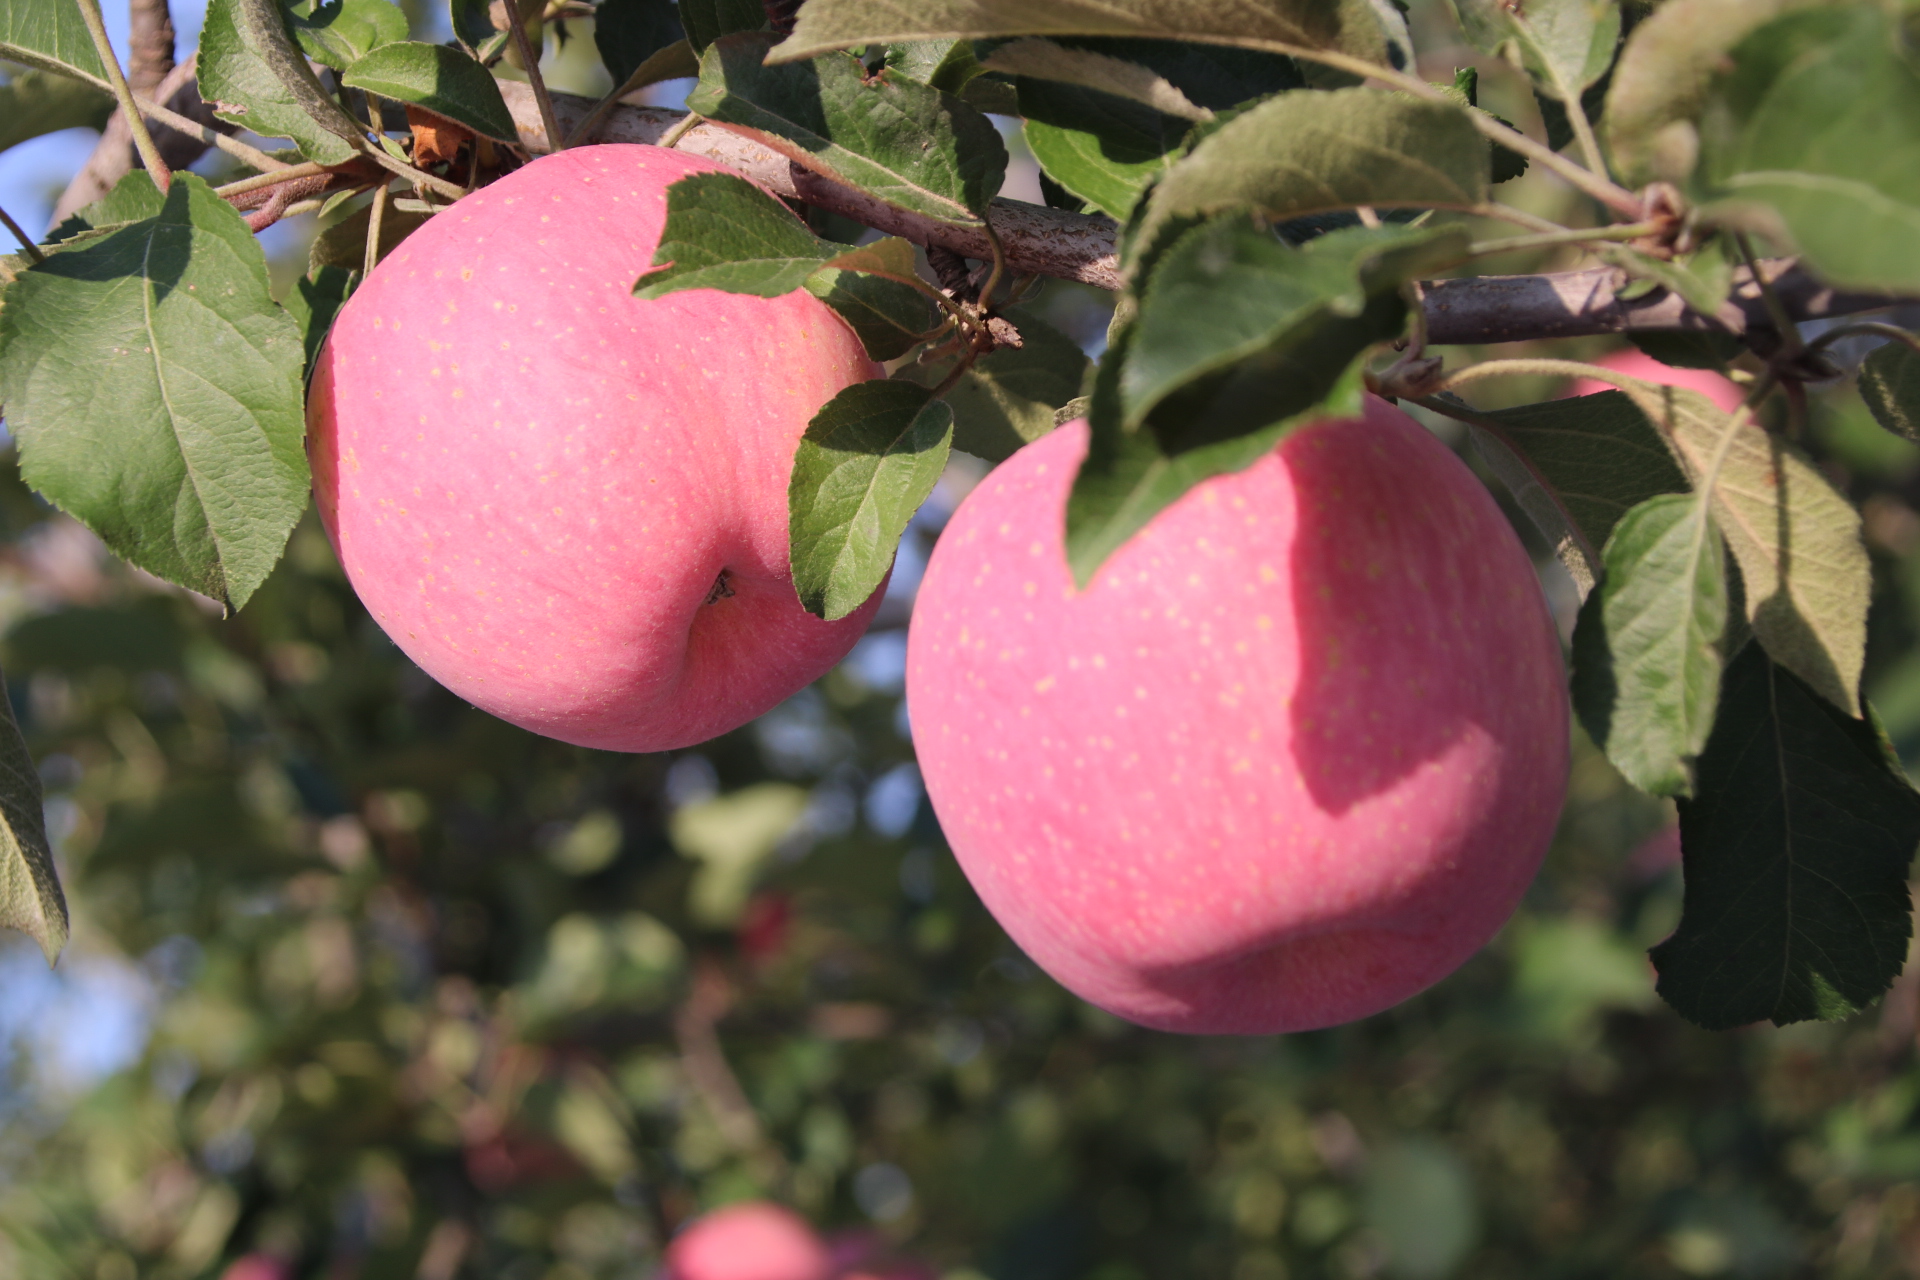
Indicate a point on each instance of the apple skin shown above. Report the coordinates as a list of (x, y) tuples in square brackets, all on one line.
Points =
[(1290, 759), (534, 480), (755, 1240), (1636, 363)]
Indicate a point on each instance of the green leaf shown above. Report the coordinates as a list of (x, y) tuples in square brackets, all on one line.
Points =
[(1211, 76), (1009, 397), (30, 897), (1374, 31), (1128, 477), (1104, 148), (50, 35), (944, 64), (1704, 282), (904, 142), (33, 103), (1805, 571), (1310, 152), (890, 256), (344, 244), (1661, 79), (722, 232), (868, 460), (1689, 349), (628, 32), (1795, 855), (1646, 671), (439, 79), (1816, 131), (1890, 384), (1575, 466), (154, 387), (1230, 290), (708, 20), (251, 72), (1111, 76), (338, 34), (133, 197), (889, 318), (1565, 45), (313, 302)]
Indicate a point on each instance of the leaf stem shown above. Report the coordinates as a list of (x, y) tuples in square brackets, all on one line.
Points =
[(1569, 97), (375, 216), (129, 107), (1790, 338), (211, 137), (680, 128), (556, 141), (1860, 328), (1547, 239), (1535, 368), (420, 178), (273, 178), (26, 241)]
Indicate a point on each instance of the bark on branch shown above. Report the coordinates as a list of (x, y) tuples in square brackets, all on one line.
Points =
[(1072, 246)]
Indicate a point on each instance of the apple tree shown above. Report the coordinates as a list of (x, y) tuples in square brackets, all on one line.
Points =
[(1292, 205)]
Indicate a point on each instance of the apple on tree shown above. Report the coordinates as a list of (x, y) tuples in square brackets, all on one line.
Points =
[(1290, 758), (754, 1240), (567, 504)]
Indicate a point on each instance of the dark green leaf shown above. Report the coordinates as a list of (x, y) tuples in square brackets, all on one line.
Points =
[(868, 460), (722, 232), (1061, 65), (133, 197), (707, 20), (340, 33), (251, 72), (1103, 148), (30, 897), (344, 244), (889, 256), (1797, 541), (1558, 124), (628, 32), (1816, 129), (944, 64), (439, 79), (50, 35), (889, 318), (1646, 669), (33, 103), (1211, 76), (1575, 466), (1373, 31), (1565, 45), (313, 302), (905, 142), (1696, 349), (1795, 855), (1230, 290), (1217, 426), (1009, 397), (1890, 384), (154, 387), (1308, 152)]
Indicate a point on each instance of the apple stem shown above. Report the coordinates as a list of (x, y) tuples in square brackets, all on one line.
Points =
[(375, 216)]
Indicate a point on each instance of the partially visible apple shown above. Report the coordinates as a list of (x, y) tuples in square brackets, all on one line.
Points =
[(755, 1240), (258, 1266), (568, 505), (1636, 363), (1291, 757)]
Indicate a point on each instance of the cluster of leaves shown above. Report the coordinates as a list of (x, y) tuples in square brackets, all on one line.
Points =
[(1279, 179)]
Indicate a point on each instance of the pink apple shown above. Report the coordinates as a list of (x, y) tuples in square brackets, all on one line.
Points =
[(751, 1241), (568, 505), (258, 1266), (1289, 759), (1636, 363)]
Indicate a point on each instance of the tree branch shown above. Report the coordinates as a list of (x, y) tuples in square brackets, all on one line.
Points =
[(1072, 246)]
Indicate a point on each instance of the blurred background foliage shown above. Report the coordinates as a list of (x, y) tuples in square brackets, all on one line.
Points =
[(366, 985)]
